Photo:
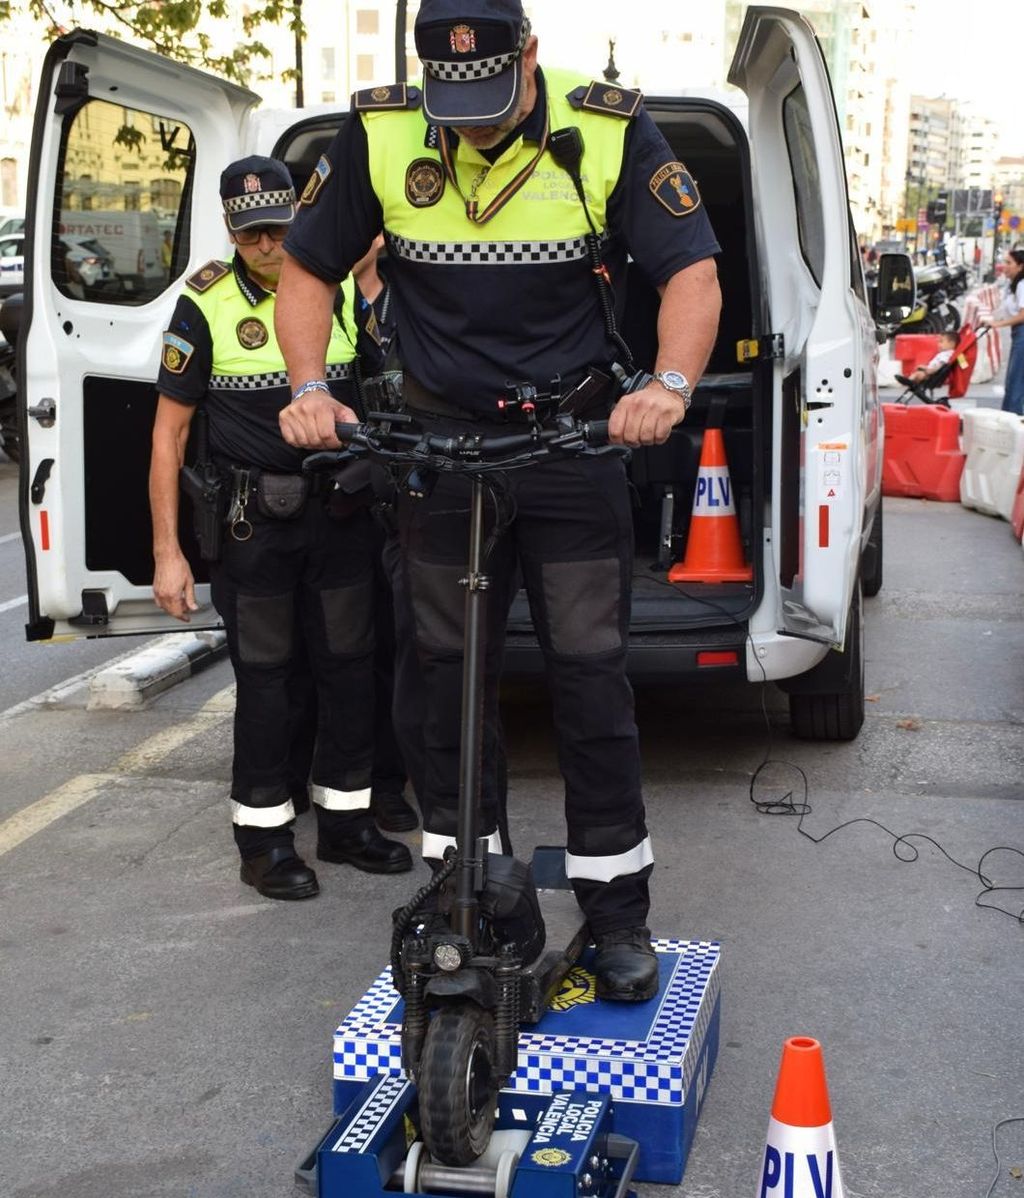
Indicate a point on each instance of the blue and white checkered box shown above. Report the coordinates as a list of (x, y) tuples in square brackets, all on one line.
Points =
[(654, 1059)]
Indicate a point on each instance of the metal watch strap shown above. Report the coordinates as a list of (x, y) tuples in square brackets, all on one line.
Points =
[(684, 391), (312, 385)]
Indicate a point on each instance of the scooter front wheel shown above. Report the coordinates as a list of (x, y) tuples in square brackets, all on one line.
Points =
[(457, 1083)]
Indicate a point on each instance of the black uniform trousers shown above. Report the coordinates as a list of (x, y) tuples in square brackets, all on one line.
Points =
[(571, 536), (314, 573), (389, 773)]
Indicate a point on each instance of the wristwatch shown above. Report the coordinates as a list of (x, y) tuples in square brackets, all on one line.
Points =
[(675, 381)]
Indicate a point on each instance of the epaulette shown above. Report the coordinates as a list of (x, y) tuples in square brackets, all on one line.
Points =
[(380, 99), (603, 97), (205, 277)]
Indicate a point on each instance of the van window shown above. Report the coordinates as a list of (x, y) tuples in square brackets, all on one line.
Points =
[(806, 181), (120, 222)]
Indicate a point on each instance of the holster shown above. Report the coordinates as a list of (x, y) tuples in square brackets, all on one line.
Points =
[(207, 489), (351, 488)]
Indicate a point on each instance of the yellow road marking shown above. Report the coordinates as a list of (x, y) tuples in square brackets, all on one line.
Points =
[(16, 829)]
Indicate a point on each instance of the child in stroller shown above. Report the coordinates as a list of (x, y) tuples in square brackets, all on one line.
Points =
[(952, 364)]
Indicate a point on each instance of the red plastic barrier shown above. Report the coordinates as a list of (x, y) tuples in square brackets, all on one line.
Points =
[(1017, 513), (915, 349), (922, 452)]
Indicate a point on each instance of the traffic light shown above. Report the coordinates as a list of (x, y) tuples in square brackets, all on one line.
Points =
[(941, 207)]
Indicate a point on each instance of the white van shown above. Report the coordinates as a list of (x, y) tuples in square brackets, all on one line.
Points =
[(791, 381)]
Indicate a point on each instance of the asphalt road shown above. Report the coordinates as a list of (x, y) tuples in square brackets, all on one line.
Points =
[(30, 668), (168, 1032)]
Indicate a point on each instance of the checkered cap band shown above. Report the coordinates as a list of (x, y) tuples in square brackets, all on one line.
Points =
[(489, 253), (259, 199), (479, 68), (276, 378)]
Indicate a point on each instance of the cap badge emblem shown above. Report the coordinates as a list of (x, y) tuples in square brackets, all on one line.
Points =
[(462, 39), (252, 183), (252, 333)]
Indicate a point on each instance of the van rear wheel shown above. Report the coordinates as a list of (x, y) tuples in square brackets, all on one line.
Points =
[(821, 712)]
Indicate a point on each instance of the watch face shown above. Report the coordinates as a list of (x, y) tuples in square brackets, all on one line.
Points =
[(674, 379)]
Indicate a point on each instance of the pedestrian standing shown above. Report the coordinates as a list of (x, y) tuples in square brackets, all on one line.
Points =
[(1012, 318)]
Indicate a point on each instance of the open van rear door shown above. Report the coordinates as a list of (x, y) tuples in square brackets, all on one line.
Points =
[(127, 150), (818, 435)]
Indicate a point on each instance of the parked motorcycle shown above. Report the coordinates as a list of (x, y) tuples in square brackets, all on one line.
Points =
[(10, 319), (937, 287)]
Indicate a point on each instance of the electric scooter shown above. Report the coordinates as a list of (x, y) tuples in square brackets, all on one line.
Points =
[(480, 948)]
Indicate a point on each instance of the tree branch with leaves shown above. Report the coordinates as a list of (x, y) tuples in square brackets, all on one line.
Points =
[(178, 29)]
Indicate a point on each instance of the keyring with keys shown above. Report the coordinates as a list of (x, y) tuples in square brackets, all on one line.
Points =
[(239, 526)]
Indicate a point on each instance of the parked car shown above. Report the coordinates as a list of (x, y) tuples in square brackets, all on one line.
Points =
[(791, 381), (87, 263), (10, 223), (12, 263)]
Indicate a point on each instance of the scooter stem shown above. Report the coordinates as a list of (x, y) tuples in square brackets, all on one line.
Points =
[(469, 871)]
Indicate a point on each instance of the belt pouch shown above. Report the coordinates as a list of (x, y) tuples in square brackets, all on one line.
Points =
[(282, 496)]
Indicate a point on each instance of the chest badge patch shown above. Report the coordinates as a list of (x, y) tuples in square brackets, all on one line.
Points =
[(673, 186), (176, 353), (424, 182), (321, 173), (252, 333)]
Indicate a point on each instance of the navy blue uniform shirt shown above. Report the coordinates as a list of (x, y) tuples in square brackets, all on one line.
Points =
[(466, 330)]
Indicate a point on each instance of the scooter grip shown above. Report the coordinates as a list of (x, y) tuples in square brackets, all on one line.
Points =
[(596, 432), (345, 431)]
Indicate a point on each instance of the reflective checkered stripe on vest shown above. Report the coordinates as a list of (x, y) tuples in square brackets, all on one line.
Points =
[(236, 368), (524, 231)]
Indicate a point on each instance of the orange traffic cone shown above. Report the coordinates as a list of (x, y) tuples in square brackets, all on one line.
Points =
[(714, 552), (800, 1159)]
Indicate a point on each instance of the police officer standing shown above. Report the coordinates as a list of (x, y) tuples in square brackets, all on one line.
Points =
[(285, 566), (508, 197)]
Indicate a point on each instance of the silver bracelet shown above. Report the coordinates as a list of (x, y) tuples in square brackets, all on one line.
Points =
[(312, 385)]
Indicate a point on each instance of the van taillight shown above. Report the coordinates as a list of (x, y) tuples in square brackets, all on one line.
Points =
[(717, 657)]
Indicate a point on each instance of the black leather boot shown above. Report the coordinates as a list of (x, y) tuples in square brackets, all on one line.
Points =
[(392, 812), (366, 849), (280, 873), (625, 965)]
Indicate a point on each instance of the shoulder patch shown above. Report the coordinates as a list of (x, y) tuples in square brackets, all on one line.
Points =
[(177, 353), (605, 97), (381, 99), (205, 277), (672, 186), (321, 173)]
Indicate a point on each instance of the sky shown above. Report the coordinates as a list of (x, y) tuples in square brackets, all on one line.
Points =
[(963, 53)]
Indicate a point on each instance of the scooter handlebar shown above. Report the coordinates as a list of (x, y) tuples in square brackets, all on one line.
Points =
[(570, 435)]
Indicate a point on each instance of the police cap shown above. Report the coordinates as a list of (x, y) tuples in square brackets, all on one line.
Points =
[(471, 52), (257, 191)]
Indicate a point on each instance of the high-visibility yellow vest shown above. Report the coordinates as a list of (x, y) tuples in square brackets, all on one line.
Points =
[(401, 167), (245, 348)]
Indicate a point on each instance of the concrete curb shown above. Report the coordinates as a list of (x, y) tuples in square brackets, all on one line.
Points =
[(131, 683)]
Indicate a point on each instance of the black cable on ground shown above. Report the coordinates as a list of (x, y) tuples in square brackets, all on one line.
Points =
[(995, 1151), (787, 804)]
